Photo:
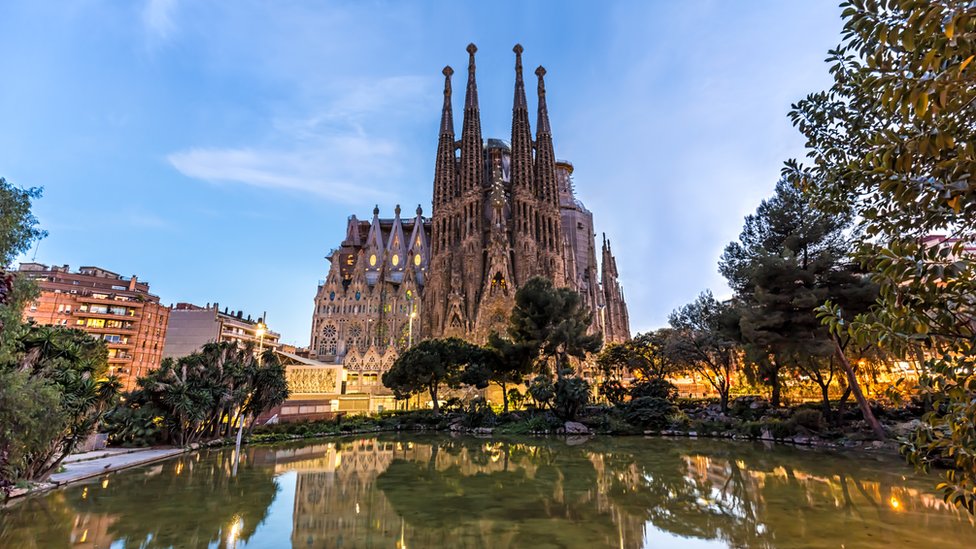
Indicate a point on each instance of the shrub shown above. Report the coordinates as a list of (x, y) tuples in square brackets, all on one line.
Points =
[(132, 426), (649, 412), (613, 391), (751, 429), (654, 388), (542, 391), (479, 414), (781, 429), (808, 419), (744, 409), (572, 395)]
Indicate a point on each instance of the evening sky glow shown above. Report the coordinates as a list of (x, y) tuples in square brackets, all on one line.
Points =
[(215, 149)]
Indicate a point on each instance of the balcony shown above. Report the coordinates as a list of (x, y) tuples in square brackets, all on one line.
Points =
[(109, 301), (89, 314), (108, 330)]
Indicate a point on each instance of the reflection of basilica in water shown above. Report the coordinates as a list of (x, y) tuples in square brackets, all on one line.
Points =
[(437, 491), (419, 492)]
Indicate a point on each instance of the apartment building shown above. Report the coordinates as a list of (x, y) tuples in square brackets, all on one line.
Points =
[(119, 310), (192, 326)]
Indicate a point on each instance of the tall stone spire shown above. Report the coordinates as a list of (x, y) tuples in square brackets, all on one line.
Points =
[(545, 158), (472, 157), (521, 132), (445, 170)]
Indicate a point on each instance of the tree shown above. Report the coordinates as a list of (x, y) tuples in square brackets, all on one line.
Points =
[(428, 365), (502, 362), (18, 231), (790, 258), (894, 138), (553, 322), (205, 394), (777, 269), (644, 358), (18, 226), (74, 366), (702, 342)]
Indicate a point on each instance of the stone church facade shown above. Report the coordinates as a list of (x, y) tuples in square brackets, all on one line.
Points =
[(503, 212)]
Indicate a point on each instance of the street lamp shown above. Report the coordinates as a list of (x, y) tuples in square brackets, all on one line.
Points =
[(259, 329), (413, 314)]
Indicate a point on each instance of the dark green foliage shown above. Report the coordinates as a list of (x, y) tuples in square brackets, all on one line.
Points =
[(18, 226), (432, 363), (614, 391), (894, 138), (542, 390), (204, 395), (808, 419), (132, 426), (781, 430), (572, 394), (790, 258), (29, 421), (703, 341), (655, 388), (479, 414), (552, 323), (649, 412)]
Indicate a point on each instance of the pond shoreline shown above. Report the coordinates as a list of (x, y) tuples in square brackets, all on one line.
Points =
[(84, 470)]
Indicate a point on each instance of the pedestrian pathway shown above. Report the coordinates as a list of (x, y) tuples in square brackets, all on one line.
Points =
[(107, 461)]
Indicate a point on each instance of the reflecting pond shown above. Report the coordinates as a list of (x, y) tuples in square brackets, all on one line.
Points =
[(436, 491)]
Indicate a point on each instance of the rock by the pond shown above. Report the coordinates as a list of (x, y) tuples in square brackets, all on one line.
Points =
[(575, 428)]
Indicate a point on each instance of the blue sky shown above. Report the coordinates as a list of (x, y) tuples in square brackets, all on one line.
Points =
[(216, 148)]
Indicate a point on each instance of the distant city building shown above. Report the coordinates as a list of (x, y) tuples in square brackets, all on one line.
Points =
[(503, 212), (119, 310), (192, 326)]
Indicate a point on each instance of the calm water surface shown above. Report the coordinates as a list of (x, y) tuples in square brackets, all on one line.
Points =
[(437, 491)]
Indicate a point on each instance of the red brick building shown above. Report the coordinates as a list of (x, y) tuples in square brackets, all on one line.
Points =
[(119, 310)]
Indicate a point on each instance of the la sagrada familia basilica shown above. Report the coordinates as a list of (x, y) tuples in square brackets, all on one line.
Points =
[(503, 212)]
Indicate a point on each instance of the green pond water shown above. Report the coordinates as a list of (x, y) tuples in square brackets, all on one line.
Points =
[(437, 491)]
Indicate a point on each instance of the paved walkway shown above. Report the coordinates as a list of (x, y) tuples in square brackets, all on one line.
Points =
[(107, 461)]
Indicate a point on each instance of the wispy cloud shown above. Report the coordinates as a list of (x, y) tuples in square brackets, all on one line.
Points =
[(330, 151), (338, 169), (157, 16)]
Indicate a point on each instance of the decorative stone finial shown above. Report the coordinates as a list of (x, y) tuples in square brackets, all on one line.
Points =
[(420, 211), (518, 49), (448, 71), (397, 210), (376, 209), (471, 49), (540, 72)]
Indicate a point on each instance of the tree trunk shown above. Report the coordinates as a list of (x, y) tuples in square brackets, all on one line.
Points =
[(504, 398), (723, 398), (858, 394), (433, 397), (842, 403), (776, 389), (825, 403)]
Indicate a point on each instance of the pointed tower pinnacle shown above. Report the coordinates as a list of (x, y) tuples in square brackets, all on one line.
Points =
[(445, 171), (545, 158), (471, 99), (542, 125), (472, 158), (447, 112), (521, 132)]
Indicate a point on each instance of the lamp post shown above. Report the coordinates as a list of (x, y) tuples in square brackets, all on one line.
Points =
[(413, 314), (259, 329)]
